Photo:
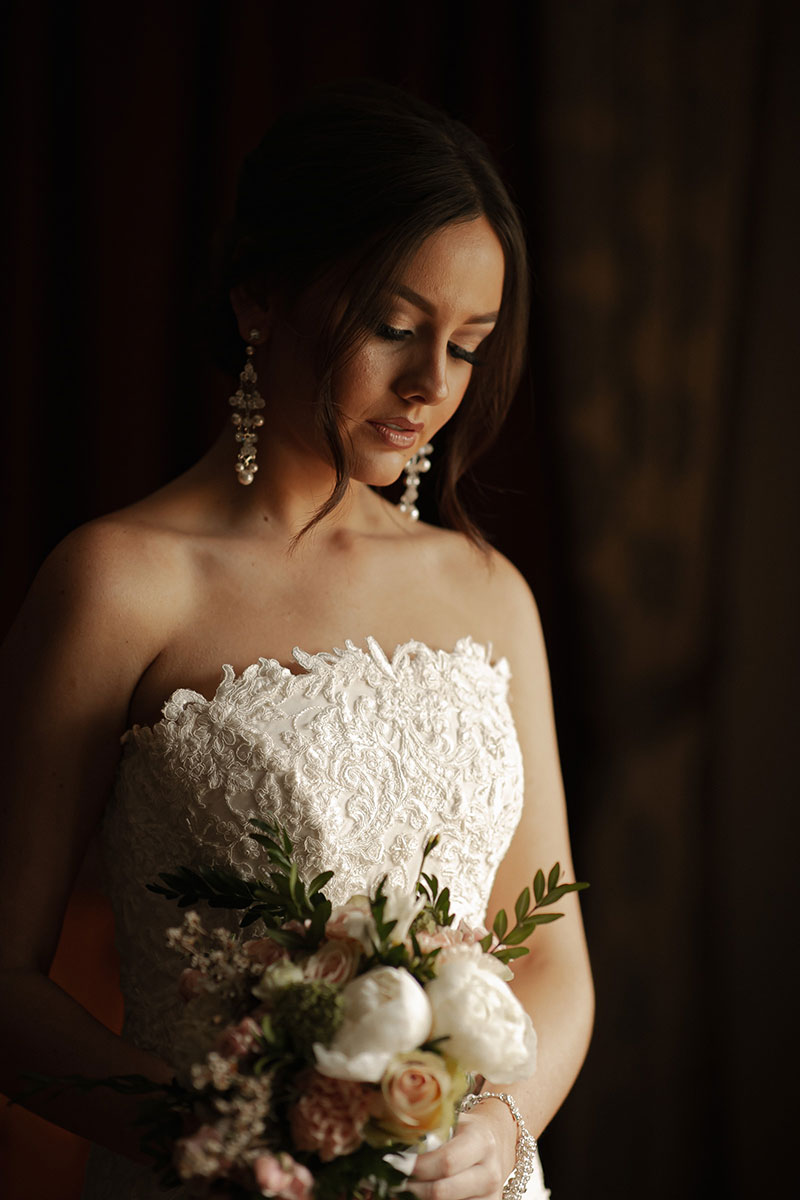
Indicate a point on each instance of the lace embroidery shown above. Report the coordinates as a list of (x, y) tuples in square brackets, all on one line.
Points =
[(360, 757)]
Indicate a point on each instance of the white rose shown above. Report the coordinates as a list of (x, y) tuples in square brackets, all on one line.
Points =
[(489, 1031), (386, 1013)]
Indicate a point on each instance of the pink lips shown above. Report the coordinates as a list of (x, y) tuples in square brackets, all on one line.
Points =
[(400, 423), (402, 438)]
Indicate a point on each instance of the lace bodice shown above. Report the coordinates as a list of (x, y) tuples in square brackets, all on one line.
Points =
[(359, 756)]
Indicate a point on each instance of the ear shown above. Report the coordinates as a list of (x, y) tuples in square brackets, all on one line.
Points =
[(250, 314)]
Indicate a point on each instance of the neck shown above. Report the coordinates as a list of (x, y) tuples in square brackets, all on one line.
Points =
[(290, 486)]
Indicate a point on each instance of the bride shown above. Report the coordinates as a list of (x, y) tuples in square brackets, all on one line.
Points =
[(381, 677)]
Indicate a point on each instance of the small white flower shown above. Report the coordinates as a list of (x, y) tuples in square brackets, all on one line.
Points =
[(401, 906), (280, 975), (386, 1013)]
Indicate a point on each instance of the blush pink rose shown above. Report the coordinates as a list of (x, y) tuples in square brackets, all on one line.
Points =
[(417, 1092), (279, 1175), (353, 921), (330, 1115), (237, 1040), (296, 926), (264, 951), (334, 962)]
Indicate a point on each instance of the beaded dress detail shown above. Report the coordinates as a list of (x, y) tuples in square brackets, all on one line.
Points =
[(359, 756)]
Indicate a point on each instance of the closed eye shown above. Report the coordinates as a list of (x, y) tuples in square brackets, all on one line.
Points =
[(466, 355), (392, 334)]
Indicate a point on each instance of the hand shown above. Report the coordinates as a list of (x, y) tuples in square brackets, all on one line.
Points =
[(475, 1162)]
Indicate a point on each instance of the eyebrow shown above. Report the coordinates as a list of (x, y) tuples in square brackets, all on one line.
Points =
[(426, 306)]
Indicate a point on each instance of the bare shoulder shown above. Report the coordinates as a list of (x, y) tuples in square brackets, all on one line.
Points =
[(88, 629), (510, 599), (500, 607), (114, 582), (518, 637), (113, 564)]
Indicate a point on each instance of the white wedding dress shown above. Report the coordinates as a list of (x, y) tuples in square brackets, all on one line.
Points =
[(360, 757)]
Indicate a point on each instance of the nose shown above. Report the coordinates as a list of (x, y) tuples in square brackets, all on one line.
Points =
[(425, 378)]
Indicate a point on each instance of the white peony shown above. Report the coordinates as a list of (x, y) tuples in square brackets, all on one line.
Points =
[(386, 1013), (489, 1033)]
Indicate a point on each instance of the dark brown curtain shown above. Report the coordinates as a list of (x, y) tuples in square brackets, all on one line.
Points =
[(646, 484)]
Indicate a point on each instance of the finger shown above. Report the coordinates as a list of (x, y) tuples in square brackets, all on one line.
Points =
[(475, 1182), (466, 1146), (462, 1151)]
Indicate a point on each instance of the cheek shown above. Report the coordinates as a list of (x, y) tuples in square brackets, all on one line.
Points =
[(460, 390), (361, 381)]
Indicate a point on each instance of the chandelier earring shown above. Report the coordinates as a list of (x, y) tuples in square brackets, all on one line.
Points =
[(416, 466), (247, 400)]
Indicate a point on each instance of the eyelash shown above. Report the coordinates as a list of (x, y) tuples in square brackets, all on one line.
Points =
[(392, 334)]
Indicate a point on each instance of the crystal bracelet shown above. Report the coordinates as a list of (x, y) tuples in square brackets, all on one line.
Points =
[(525, 1164)]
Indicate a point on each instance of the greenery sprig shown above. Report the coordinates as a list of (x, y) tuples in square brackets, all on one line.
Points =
[(528, 918), (282, 897), (277, 899), (438, 902)]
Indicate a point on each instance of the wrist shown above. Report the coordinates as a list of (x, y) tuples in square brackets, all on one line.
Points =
[(525, 1151), (504, 1129)]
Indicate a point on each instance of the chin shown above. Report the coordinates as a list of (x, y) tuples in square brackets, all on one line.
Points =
[(380, 474), (376, 480)]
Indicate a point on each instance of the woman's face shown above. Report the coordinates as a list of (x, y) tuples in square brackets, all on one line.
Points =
[(407, 378), (410, 375)]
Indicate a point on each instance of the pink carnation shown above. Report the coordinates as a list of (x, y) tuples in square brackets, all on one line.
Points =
[(330, 1116), (449, 935), (237, 1040), (279, 1175)]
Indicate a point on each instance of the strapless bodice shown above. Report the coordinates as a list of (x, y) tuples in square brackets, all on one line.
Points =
[(360, 757)]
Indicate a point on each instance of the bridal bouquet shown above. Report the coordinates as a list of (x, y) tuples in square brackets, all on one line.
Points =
[(308, 1056)]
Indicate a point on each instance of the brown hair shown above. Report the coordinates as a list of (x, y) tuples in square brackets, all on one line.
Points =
[(341, 192)]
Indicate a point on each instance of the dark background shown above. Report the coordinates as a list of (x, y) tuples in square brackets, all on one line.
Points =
[(646, 482)]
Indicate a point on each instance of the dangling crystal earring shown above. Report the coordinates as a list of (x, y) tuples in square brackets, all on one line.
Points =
[(416, 466), (247, 400)]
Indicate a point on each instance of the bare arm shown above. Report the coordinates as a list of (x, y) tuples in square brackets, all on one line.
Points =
[(68, 668), (554, 981)]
